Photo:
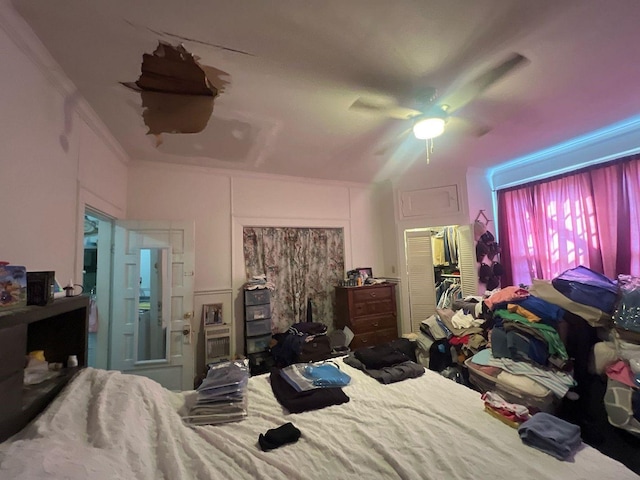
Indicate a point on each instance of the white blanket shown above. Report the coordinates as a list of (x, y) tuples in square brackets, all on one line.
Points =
[(106, 425)]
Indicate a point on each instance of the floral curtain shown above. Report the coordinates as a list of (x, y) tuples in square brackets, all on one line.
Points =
[(590, 218), (303, 263)]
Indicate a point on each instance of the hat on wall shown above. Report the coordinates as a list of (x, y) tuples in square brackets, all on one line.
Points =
[(494, 249), (484, 272), (493, 283), (478, 229), (497, 269), (482, 250), (487, 238)]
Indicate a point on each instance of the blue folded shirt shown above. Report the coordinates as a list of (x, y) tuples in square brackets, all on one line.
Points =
[(551, 435)]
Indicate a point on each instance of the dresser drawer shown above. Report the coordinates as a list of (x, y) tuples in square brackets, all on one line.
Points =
[(258, 296), (373, 338), (364, 294), (371, 301), (373, 323), (257, 312), (258, 327), (373, 306)]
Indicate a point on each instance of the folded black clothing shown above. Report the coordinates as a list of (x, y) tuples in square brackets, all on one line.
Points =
[(386, 375), (297, 402), (276, 437), (380, 356)]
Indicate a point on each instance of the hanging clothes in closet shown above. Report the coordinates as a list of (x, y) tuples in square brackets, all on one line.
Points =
[(451, 292), (444, 246)]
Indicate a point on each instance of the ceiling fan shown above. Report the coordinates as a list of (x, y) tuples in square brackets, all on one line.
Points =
[(432, 114)]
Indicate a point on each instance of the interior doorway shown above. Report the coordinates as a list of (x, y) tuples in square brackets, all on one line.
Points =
[(96, 280)]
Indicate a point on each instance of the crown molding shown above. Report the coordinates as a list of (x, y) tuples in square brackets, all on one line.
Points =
[(25, 40)]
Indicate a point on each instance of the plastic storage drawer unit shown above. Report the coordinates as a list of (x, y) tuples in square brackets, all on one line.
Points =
[(258, 327), (258, 344), (257, 312)]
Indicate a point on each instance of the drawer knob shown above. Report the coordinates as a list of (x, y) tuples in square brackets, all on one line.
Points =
[(373, 294), (364, 340), (375, 324)]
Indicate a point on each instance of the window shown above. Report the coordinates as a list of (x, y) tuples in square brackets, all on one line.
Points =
[(590, 218)]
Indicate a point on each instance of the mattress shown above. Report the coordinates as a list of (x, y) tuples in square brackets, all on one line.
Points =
[(116, 426)]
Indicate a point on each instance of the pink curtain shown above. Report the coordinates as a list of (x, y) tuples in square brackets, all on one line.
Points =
[(589, 218)]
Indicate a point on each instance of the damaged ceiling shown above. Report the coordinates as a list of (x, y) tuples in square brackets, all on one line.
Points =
[(268, 86)]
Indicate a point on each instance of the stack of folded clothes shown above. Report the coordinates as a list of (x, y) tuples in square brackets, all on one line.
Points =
[(512, 414), (221, 397), (388, 363), (551, 435), (307, 376), (296, 392)]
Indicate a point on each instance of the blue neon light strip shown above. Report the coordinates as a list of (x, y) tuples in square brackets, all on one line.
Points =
[(581, 142)]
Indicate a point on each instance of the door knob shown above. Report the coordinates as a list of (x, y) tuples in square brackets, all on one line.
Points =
[(187, 315)]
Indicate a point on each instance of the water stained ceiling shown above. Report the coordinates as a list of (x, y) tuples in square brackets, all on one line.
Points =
[(284, 75)]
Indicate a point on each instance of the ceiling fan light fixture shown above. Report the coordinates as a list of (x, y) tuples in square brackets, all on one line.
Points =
[(429, 127)]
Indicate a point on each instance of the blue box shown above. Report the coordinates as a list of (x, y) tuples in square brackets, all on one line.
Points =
[(13, 286)]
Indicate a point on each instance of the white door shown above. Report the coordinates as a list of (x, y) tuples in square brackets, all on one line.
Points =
[(420, 274), (153, 273)]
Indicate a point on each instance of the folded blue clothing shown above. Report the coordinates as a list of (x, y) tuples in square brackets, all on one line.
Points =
[(326, 375), (551, 435), (308, 376)]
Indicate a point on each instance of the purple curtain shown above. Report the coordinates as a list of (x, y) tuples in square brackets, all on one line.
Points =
[(590, 218)]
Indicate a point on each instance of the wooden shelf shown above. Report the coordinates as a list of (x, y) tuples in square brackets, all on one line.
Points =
[(60, 330)]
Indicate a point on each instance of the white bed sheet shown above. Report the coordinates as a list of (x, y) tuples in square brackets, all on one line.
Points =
[(112, 426)]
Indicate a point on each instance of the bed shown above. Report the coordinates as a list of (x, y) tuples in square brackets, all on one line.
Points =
[(105, 424)]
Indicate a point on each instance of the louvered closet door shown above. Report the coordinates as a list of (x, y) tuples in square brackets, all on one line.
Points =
[(422, 294), (467, 261)]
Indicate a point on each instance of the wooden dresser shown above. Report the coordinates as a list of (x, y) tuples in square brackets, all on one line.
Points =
[(369, 311)]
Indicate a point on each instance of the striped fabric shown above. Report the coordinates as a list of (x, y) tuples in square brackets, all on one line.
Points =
[(558, 382)]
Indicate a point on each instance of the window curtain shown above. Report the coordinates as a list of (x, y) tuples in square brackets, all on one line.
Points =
[(590, 218), (303, 264)]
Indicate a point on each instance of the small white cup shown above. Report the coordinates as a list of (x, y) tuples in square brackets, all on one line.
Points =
[(72, 361)]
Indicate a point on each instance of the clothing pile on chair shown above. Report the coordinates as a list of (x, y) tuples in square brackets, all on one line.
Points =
[(221, 397)]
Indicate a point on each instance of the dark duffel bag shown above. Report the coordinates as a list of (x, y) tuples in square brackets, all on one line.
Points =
[(585, 286), (314, 350)]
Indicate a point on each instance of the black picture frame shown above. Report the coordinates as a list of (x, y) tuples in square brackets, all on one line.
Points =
[(365, 272)]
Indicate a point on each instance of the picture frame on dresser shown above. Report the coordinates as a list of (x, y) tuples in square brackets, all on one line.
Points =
[(365, 272)]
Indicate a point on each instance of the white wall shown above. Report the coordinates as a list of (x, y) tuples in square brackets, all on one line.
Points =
[(223, 202), (54, 157), (437, 199)]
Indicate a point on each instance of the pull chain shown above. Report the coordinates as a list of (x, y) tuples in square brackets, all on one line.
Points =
[(429, 145)]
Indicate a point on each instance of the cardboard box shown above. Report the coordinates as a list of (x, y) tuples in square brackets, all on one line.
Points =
[(13, 286)]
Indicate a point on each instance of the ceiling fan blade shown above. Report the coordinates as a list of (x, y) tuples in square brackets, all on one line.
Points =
[(468, 92), (467, 127), (392, 111)]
